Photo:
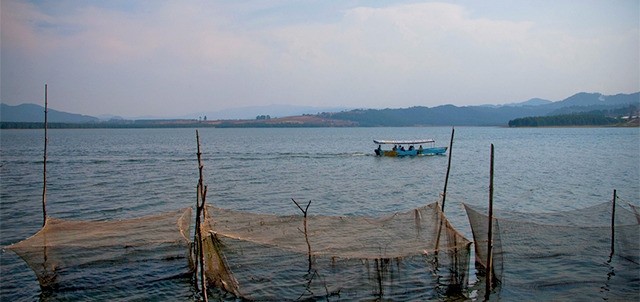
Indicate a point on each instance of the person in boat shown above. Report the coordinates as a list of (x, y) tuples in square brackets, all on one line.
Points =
[(395, 147), (402, 148), (411, 148)]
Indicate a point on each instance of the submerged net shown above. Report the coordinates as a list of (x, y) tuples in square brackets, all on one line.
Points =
[(636, 212), (71, 254), (562, 255), (404, 256)]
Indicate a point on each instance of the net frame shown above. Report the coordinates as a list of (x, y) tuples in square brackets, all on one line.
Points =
[(380, 257), (64, 250), (559, 251)]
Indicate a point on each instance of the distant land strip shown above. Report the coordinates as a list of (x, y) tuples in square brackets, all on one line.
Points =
[(285, 122), (581, 109), (569, 120)]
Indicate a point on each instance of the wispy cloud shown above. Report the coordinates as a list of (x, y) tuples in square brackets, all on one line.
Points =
[(186, 56)]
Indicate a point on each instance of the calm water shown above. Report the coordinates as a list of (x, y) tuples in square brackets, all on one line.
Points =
[(102, 174)]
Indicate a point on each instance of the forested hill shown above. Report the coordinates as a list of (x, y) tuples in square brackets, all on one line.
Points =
[(29, 113), (437, 116), (616, 105)]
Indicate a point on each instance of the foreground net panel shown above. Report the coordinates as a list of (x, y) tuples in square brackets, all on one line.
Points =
[(68, 255), (563, 255), (415, 255)]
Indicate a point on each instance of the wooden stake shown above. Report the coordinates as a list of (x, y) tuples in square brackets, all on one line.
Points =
[(203, 279), (446, 179), (613, 223), (202, 193), (489, 268), (444, 192), (44, 171)]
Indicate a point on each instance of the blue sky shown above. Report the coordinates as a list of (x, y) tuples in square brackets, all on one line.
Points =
[(170, 58)]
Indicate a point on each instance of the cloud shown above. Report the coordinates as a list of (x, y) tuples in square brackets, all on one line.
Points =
[(431, 49), (177, 57)]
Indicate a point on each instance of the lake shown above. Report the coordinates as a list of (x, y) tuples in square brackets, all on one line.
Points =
[(106, 174)]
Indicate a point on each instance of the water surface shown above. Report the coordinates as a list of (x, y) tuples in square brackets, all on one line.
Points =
[(100, 174)]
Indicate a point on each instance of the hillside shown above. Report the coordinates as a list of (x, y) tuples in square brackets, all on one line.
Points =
[(445, 115), (448, 115), (30, 113)]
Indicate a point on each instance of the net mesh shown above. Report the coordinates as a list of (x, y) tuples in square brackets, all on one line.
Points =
[(635, 211), (86, 254), (404, 256), (562, 254)]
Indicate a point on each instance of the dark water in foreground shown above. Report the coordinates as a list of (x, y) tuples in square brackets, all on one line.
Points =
[(104, 174)]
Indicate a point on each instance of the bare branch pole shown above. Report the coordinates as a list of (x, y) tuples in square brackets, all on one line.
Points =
[(200, 203), (196, 238), (306, 236), (44, 171), (304, 211), (489, 268), (446, 179), (613, 224), (48, 275)]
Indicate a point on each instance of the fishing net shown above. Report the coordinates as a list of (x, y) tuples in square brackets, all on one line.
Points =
[(562, 255), (71, 254), (636, 212), (415, 255)]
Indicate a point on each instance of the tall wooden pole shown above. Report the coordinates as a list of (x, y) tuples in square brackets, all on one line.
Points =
[(613, 224), (489, 268), (446, 179), (44, 170), (444, 192), (202, 193)]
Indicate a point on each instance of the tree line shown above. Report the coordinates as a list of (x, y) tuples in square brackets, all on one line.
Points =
[(580, 119)]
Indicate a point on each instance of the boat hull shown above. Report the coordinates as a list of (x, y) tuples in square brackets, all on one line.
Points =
[(415, 152)]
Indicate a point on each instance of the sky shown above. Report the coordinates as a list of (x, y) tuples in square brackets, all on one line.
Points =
[(171, 58)]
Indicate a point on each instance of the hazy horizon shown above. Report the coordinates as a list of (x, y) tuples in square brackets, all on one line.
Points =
[(174, 58)]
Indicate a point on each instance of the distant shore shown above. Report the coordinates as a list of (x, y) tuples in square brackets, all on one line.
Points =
[(240, 124), (589, 119), (313, 121), (309, 121)]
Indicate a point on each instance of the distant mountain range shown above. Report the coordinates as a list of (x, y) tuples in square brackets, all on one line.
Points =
[(531, 102), (445, 115), (491, 115)]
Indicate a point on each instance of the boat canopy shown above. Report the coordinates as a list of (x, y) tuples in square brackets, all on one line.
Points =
[(400, 142)]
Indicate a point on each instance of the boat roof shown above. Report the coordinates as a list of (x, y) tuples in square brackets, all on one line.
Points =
[(403, 142)]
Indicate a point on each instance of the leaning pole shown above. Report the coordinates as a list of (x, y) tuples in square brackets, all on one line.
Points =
[(44, 170), (446, 179), (489, 268)]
